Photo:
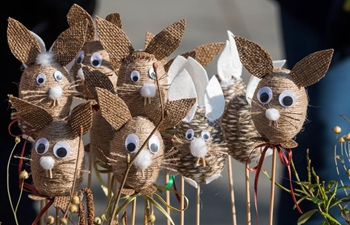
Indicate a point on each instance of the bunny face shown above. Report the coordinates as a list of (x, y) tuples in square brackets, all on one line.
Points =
[(279, 107)]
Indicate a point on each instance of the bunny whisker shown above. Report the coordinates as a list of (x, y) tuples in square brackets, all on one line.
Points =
[(35, 92)]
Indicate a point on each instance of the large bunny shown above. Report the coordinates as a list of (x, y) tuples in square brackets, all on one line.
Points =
[(57, 158)]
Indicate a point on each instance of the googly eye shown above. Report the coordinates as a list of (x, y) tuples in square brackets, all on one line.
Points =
[(61, 149), (154, 144), (135, 76), (205, 135), (41, 146), (264, 95), (189, 134), (40, 79), (80, 57), (287, 98), (132, 143), (58, 75), (96, 60), (152, 74)]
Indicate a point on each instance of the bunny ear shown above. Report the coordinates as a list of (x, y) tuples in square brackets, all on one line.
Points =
[(80, 119), (95, 78), (113, 108), (214, 100), (255, 59), (176, 67), (225, 66), (22, 43), (167, 41), (114, 41), (148, 38), (69, 42), (182, 87), (40, 42), (236, 62), (176, 111), (36, 116), (115, 19), (277, 64), (312, 68), (77, 14), (251, 87)]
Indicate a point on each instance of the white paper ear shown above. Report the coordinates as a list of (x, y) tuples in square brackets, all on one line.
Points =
[(199, 77), (236, 62), (191, 182), (70, 65), (176, 67), (40, 42), (251, 86), (190, 114), (277, 64), (182, 87), (214, 100), (225, 66)]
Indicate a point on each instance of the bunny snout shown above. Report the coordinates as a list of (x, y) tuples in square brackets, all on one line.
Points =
[(148, 90), (47, 162), (55, 92), (80, 74), (272, 114), (143, 160), (198, 147)]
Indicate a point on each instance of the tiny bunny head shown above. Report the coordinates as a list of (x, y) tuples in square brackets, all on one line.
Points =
[(280, 100), (45, 80), (58, 150), (92, 54)]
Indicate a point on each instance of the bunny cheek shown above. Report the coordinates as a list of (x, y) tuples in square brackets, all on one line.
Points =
[(276, 122), (146, 167)]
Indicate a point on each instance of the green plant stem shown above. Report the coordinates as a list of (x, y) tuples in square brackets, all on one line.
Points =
[(278, 184)]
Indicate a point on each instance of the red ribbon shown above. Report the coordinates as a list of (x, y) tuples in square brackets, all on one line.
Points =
[(285, 159)]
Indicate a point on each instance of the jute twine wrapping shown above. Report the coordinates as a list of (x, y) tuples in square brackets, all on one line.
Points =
[(237, 123), (216, 156), (130, 91), (291, 119), (64, 169), (137, 180)]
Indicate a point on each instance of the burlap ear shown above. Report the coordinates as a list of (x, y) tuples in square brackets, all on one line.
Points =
[(76, 14), (203, 54), (148, 38), (312, 68), (255, 59), (115, 19), (95, 78), (34, 115), (167, 41), (175, 111), (81, 117), (22, 43), (69, 42), (114, 41), (113, 108)]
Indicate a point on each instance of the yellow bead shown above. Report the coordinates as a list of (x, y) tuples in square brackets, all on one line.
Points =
[(337, 129), (152, 218), (50, 220), (63, 221), (75, 199), (24, 175), (341, 140), (73, 208), (97, 221)]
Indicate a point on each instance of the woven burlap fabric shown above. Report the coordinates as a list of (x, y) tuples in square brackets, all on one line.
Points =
[(215, 158), (148, 37), (291, 119), (77, 13), (115, 19), (137, 179), (61, 202), (80, 119)]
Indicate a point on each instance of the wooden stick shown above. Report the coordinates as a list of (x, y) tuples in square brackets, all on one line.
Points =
[(232, 195), (272, 193), (247, 196), (182, 200), (57, 216), (109, 193), (198, 205), (42, 205), (167, 198), (133, 212), (90, 167)]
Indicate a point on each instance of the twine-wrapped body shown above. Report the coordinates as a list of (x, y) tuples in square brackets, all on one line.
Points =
[(214, 159)]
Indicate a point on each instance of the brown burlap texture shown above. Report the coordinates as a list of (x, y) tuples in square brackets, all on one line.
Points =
[(77, 13)]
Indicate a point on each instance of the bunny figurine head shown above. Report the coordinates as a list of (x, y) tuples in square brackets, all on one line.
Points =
[(45, 80), (57, 157), (280, 100)]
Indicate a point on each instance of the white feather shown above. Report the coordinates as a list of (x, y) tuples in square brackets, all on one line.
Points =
[(214, 100), (45, 59), (176, 67)]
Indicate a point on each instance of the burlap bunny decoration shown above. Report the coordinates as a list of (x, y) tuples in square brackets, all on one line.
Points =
[(130, 134), (57, 157), (45, 80)]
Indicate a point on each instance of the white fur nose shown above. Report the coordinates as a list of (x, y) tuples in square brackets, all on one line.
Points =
[(198, 147), (55, 92), (272, 114), (148, 90), (47, 162), (143, 160), (81, 74)]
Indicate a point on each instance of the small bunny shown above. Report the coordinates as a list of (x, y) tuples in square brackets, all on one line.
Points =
[(130, 134), (57, 157), (45, 80), (280, 101)]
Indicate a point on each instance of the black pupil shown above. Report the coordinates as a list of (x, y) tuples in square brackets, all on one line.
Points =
[(61, 152), (40, 80), (131, 147), (153, 74), (59, 77), (189, 136), (135, 78), (287, 101), (79, 59), (41, 148), (264, 97), (206, 136), (95, 62), (154, 147)]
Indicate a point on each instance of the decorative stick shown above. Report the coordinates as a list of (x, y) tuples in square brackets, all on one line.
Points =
[(57, 216), (182, 200), (272, 193), (167, 198), (90, 167), (247, 196), (232, 195), (133, 212), (198, 205), (42, 202), (109, 193)]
